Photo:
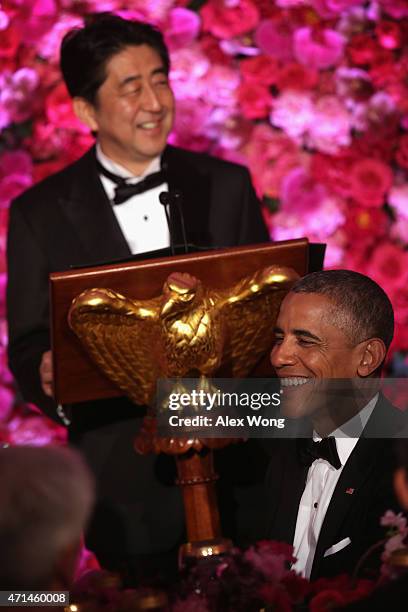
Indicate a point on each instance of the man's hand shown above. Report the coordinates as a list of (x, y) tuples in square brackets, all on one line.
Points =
[(46, 373)]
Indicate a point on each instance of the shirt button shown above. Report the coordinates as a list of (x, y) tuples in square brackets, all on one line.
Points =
[(145, 218), (315, 505)]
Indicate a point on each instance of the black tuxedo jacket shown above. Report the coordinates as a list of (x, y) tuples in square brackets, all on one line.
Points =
[(362, 495), (67, 220)]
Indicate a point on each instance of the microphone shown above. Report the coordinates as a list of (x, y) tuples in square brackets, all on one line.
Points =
[(169, 199)]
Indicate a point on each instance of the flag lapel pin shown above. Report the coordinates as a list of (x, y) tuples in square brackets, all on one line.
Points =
[(350, 491)]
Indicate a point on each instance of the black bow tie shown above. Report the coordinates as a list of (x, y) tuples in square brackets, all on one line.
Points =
[(125, 190), (309, 451)]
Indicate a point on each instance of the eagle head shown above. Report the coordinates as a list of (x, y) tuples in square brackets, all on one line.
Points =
[(179, 292)]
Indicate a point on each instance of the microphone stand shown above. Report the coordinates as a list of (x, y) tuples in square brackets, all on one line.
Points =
[(170, 199)]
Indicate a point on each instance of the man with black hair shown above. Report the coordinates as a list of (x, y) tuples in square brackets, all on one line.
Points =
[(104, 207), (331, 338)]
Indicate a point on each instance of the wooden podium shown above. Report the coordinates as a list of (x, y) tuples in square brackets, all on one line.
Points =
[(77, 378)]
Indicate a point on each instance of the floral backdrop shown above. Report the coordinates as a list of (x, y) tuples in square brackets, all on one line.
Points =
[(312, 95)]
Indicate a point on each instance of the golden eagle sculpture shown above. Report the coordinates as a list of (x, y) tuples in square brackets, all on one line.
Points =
[(188, 330)]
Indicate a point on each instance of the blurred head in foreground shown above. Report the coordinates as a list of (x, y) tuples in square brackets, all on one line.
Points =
[(46, 496)]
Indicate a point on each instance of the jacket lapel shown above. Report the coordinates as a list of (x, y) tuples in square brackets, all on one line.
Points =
[(90, 213), (356, 471), (286, 485), (195, 188), (385, 420)]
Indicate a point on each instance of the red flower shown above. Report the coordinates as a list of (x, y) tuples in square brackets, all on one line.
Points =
[(364, 50), (379, 142), (276, 597), (227, 22), (326, 600), (210, 46), (334, 171), (261, 69), (365, 225), (296, 586), (388, 266), (255, 100), (401, 155), (9, 42), (295, 76), (370, 180)]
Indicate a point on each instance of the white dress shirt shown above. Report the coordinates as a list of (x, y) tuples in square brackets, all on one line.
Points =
[(142, 218), (321, 481)]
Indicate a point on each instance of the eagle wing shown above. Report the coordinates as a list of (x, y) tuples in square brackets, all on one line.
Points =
[(122, 336), (250, 309)]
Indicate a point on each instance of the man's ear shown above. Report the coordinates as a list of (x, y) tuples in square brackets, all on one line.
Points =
[(401, 487), (85, 111), (371, 355)]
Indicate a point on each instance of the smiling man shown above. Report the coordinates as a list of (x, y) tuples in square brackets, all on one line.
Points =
[(328, 492), (105, 207)]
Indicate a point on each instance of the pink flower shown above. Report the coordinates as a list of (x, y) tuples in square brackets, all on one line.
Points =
[(38, 20), (398, 199), (307, 210), (188, 66), (300, 193), (182, 28), (48, 45), (154, 11), (395, 8), (46, 141), (229, 19), (399, 230), (332, 8), (275, 38), (221, 84), (6, 403), (271, 154), (35, 430), (255, 100), (293, 112), (331, 126), (59, 110), (4, 20), (370, 179), (190, 124), (393, 543), (291, 3), (270, 559), (17, 92), (238, 46), (230, 130), (390, 519), (318, 48)]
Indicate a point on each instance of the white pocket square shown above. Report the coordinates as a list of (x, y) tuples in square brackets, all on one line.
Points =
[(337, 547)]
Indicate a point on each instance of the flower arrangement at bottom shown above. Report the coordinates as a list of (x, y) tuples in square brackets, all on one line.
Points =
[(258, 579)]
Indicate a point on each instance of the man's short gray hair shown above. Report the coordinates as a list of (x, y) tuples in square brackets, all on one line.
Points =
[(46, 496)]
